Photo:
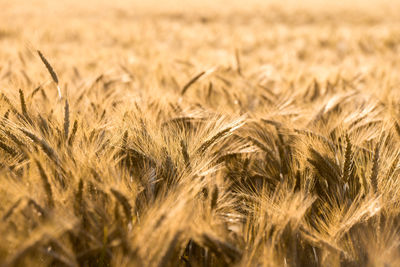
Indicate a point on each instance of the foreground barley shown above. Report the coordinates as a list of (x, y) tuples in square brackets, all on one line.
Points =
[(268, 144)]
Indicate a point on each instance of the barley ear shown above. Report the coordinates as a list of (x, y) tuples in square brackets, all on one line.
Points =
[(73, 133), (185, 153), (375, 169), (124, 203), (192, 81), (23, 107), (212, 140), (23, 103), (347, 160), (46, 184), (8, 149), (238, 65), (79, 199), (51, 71), (66, 119), (168, 255), (11, 210), (49, 67), (214, 198), (397, 128)]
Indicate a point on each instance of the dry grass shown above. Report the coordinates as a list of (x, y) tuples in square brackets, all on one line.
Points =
[(200, 133)]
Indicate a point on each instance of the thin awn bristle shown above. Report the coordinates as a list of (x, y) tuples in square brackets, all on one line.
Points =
[(393, 167)]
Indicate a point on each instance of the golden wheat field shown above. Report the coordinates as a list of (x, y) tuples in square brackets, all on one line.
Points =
[(199, 133)]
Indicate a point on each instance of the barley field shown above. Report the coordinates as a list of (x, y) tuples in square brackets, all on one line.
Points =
[(199, 133)]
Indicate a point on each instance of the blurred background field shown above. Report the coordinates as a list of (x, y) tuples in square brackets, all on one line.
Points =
[(290, 39)]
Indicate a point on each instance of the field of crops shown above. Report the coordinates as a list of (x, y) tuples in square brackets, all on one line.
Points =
[(199, 133)]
